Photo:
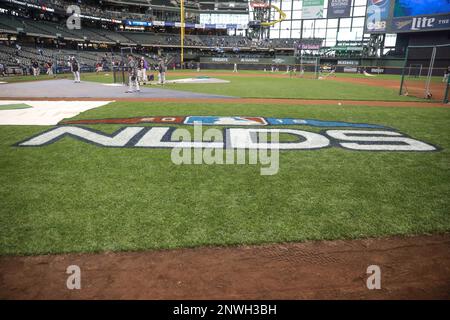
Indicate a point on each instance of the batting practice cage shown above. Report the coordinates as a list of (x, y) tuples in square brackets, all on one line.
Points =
[(120, 71), (309, 67), (425, 72)]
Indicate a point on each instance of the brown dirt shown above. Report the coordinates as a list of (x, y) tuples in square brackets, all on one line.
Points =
[(299, 102), (412, 268)]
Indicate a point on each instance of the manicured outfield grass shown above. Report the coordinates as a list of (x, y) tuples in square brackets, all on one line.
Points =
[(76, 197), (262, 87), (258, 86)]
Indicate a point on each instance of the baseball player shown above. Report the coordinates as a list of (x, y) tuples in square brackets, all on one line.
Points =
[(49, 66), (142, 70), (133, 84), (162, 71), (446, 75), (35, 67), (75, 67)]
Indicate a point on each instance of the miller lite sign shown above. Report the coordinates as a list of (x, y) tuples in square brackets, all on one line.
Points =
[(421, 23)]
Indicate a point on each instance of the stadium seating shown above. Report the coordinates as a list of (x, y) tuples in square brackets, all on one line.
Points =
[(218, 45), (50, 29)]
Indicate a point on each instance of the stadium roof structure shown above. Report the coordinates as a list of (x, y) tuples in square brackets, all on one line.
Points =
[(203, 5)]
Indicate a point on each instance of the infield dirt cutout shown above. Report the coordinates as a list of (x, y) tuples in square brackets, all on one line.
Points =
[(411, 268)]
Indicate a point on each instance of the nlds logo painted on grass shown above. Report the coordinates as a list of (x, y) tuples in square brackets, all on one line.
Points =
[(354, 136)]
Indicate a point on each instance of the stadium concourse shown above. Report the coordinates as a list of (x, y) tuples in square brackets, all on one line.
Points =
[(230, 150)]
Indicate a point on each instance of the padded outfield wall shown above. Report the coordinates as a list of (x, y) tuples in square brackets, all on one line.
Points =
[(344, 65)]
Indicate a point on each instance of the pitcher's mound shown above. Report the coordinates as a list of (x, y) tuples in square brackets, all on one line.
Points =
[(198, 80)]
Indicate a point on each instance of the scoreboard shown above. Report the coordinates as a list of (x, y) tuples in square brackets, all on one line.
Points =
[(396, 16)]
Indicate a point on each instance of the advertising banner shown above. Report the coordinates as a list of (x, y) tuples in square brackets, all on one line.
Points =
[(186, 25), (377, 16), (414, 8), (308, 46), (312, 9), (348, 63), (421, 23), (339, 8), (266, 61)]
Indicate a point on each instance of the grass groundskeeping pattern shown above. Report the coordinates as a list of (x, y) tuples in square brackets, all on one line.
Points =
[(256, 84), (295, 88), (76, 197)]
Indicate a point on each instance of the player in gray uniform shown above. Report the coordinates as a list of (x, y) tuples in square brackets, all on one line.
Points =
[(133, 84), (162, 71)]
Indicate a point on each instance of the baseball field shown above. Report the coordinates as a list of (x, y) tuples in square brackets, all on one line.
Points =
[(380, 185)]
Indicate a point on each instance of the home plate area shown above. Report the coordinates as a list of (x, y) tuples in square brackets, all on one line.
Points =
[(198, 80)]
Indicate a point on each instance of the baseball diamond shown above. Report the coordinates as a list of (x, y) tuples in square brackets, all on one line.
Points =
[(224, 150)]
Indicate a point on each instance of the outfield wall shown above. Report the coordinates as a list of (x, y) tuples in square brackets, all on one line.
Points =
[(343, 65)]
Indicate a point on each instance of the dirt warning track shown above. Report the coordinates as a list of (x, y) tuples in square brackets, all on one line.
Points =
[(411, 268)]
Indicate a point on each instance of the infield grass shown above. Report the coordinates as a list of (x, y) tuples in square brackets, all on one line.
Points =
[(71, 196)]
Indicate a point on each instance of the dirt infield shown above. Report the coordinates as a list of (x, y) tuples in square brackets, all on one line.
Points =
[(64, 88), (299, 102), (411, 268)]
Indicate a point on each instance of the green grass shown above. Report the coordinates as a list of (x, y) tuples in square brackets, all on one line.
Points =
[(287, 88), (265, 87), (11, 79), (260, 87), (396, 77), (104, 77), (75, 197), (14, 106)]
